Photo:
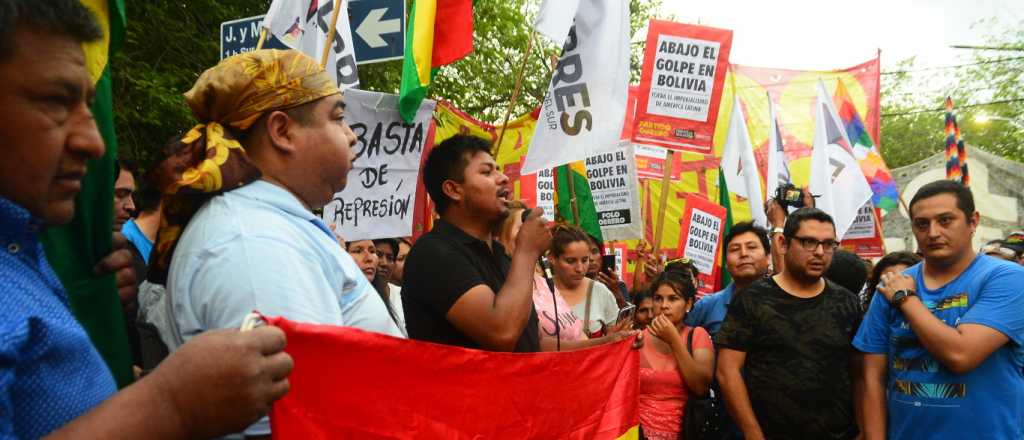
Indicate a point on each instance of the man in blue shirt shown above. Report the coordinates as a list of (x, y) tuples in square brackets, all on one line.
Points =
[(52, 380), (746, 258), (942, 342)]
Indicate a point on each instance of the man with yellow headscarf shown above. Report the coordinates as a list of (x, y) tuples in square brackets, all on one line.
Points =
[(239, 233)]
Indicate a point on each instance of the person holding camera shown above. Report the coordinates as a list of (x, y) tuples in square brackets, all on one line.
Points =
[(787, 198)]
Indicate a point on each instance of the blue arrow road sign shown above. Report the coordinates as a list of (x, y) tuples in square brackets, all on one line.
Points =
[(378, 29), (237, 36), (378, 32)]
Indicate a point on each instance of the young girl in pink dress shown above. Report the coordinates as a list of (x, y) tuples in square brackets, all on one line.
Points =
[(669, 373)]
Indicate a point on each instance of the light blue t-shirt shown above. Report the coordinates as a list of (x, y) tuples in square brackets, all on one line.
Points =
[(258, 248), (132, 232), (925, 400), (709, 311)]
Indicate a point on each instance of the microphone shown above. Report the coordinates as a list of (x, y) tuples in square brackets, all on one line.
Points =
[(545, 265), (549, 277)]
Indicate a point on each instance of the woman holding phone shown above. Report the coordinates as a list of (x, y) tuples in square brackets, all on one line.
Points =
[(560, 327), (592, 301), (676, 361)]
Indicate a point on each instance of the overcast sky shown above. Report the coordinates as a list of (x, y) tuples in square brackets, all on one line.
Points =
[(830, 34)]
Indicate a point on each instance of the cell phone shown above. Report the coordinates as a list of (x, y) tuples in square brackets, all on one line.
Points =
[(607, 263), (625, 313)]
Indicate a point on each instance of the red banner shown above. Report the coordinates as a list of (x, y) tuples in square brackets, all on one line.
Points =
[(348, 383), (700, 238), (681, 85)]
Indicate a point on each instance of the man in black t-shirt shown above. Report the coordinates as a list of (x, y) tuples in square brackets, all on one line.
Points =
[(785, 356), (459, 286)]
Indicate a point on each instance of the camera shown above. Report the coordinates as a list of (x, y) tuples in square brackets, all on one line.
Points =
[(789, 196)]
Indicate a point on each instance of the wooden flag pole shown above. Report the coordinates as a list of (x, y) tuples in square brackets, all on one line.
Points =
[(638, 268), (263, 38), (659, 228), (515, 93), (573, 206), (878, 226), (330, 34)]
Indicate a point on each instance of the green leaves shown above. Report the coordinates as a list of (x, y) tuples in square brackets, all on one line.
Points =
[(168, 44), (987, 83)]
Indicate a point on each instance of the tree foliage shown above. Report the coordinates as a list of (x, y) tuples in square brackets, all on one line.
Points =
[(168, 44), (988, 83)]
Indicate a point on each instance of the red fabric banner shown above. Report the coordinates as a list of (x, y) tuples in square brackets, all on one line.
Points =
[(681, 85), (349, 383)]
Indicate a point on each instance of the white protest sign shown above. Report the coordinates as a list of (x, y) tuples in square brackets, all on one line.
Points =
[(684, 71), (380, 196), (702, 226), (613, 184), (863, 224), (546, 192)]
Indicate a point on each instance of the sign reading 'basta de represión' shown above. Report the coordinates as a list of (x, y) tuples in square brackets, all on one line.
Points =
[(380, 196)]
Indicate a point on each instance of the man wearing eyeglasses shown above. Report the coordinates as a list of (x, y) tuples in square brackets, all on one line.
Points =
[(785, 359), (942, 343)]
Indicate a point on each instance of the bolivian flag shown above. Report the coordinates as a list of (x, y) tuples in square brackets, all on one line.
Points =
[(580, 191), (74, 249), (348, 383), (440, 32)]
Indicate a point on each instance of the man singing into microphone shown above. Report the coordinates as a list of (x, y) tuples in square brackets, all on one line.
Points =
[(460, 288)]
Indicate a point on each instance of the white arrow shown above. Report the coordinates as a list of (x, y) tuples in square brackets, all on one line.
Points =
[(372, 27)]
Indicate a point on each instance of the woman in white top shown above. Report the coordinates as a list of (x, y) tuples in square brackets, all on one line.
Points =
[(568, 335), (590, 300)]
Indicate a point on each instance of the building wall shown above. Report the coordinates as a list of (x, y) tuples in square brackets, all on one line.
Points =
[(997, 184)]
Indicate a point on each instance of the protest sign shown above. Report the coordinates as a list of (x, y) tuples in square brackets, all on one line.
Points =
[(864, 237), (681, 85), (703, 223), (538, 189), (863, 225), (613, 185), (378, 201), (650, 162)]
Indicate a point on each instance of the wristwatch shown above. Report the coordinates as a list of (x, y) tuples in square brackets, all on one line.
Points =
[(776, 230), (900, 296)]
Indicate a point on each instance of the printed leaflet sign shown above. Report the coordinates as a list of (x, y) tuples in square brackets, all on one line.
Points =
[(699, 238), (613, 184), (681, 85)]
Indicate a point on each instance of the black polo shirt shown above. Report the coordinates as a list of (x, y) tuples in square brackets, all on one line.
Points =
[(443, 265)]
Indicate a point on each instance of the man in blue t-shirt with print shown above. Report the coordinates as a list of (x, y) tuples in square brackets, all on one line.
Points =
[(942, 342)]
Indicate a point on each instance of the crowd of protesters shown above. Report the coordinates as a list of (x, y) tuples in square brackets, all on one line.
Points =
[(807, 342)]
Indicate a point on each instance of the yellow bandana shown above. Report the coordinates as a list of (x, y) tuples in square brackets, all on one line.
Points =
[(229, 98)]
